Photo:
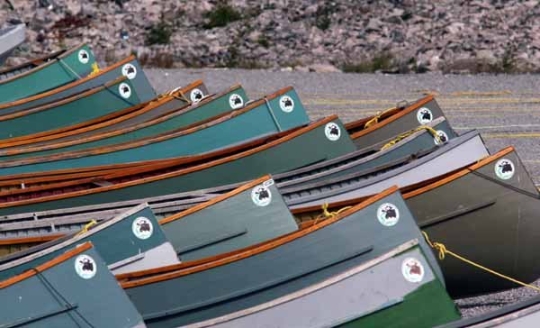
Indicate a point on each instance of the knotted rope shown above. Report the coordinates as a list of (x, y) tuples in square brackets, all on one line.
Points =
[(410, 132), (87, 227)]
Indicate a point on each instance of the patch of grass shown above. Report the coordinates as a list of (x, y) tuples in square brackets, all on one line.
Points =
[(263, 41), (322, 17), (382, 61), (222, 15), (160, 33)]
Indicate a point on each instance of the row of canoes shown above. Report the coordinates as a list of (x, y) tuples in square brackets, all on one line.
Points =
[(123, 208)]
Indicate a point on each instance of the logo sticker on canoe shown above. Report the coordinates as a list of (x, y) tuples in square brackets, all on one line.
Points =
[(196, 95), (85, 266), (388, 214), (286, 104), (236, 101), (412, 270), (142, 228), (124, 90), (443, 138), (261, 195), (424, 115), (84, 57), (332, 131), (504, 169), (129, 71)]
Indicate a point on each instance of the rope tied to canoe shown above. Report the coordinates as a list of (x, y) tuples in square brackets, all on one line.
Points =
[(404, 135), (95, 69), (87, 227), (326, 214), (443, 251)]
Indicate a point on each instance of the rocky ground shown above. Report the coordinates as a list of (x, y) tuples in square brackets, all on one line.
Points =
[(306, 35)]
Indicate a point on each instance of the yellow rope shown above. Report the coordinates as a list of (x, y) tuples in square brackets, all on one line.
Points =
[(327, 214), (87, 226), (95, 69), (408, 133), (442, 251), (375, 118)]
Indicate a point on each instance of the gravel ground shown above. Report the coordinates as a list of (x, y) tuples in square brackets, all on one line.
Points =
[(505, 108)]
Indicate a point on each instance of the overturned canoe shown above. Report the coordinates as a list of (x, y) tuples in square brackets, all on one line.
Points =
[(259, 274), (358, 297), (130, 241), (157, 118), (128, 67), (112, 96), (74, 289), (235, 164), (10, 38), (259, 118), (65, 68)]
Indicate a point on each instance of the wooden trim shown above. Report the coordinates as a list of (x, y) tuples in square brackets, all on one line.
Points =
[(198, 126), (186, 268), (460, 173), (392, 118), (214, 200), (33, 62), (67, 86), (46, 64), (47, 265), (30, 240)]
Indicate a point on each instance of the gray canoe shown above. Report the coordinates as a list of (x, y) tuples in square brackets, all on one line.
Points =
[(375, 293), (74, 289), (456, 153), (128, 242), (128, 67), (359, 160), (267, 271), (10, 38)]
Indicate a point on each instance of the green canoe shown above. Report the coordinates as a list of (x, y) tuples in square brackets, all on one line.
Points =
[(128, 67), (74, 289), (108, 98), (168, 119), (67, 67), (259, 118)]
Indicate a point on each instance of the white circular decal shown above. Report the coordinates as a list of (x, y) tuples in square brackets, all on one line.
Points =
[(388, 214), (125, 90), (129, 71), (85, 266), (261, 195), (142, 228), (196, 95), (424, 115), (236, 101), (332, 131), (412, 270), (84, 57), (443, 138), (504, 169), (286, 104)]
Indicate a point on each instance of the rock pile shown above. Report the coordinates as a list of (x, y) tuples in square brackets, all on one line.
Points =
[(391, 35)]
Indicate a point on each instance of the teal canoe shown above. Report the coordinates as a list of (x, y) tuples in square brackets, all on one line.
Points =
[(74, 289), (66, 68), (260, 118)]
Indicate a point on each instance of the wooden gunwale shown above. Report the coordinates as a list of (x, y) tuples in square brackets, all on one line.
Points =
[(87, 126), (415, 189), (30, 240), (40, 67), (205, 165), (47, 265), (214, 200), (187, 268), (392, 118), (66, 86), (84, 94), (188, 107), (34, 62), (140, 142)]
